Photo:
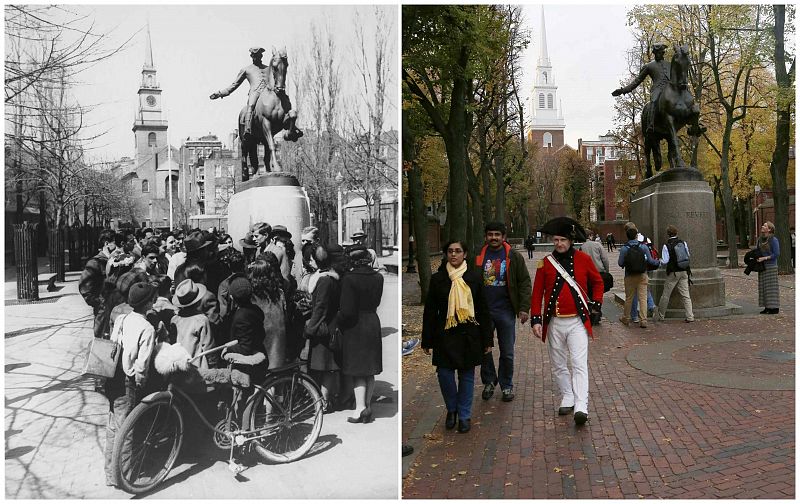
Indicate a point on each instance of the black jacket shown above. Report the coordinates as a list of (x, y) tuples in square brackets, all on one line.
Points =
[(462, 346), (751, 260)]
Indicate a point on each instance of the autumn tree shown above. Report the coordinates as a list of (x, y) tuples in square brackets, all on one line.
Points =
[(785, 95)]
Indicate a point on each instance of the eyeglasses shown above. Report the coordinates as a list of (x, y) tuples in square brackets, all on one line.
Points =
[(454, 251)]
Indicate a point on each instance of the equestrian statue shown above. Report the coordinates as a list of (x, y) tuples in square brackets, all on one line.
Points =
[(671, 106), (268, 109)]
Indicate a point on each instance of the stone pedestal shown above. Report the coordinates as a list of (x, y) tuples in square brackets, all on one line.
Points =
[(275, 198), (682, 198)]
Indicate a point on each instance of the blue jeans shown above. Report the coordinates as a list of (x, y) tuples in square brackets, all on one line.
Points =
[(635, 307), (504, 323), (457, 398)]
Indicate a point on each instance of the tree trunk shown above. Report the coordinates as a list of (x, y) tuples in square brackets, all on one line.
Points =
[(420, 221), (500, 196), (780, 156), (727, 197), (456, 146)]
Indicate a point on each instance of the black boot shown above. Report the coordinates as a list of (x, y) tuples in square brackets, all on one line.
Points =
[(450, 421)]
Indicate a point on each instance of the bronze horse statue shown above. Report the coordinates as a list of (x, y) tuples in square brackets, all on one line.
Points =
[(273, 113), (675, 109)]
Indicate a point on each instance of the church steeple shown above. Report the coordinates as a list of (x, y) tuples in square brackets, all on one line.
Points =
[(148, 52), (547, 126), (544, 58)]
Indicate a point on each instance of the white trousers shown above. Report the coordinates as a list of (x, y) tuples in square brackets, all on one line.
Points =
[(568, 335)]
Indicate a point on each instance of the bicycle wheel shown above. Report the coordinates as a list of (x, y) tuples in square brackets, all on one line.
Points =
[(288, 414), (147, 445)]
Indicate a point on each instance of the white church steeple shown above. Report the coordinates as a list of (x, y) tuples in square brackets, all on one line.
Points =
[(547, 125)]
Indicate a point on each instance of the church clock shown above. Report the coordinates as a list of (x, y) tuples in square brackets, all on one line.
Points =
[(151, 100)]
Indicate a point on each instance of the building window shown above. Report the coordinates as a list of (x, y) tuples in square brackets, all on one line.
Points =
[(145, 186), (620, 216), (201, 174), (218, 171), (541, 100), (589, 153), (547, 140), (617, 172), (151, 140), (549, 100), (544, 75)]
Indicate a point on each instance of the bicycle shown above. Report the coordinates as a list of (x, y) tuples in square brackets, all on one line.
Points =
[(281, 421)]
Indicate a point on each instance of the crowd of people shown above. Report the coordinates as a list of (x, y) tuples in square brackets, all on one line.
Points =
[(197, 290)]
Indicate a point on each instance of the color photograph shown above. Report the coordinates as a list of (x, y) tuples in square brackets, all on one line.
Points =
[(598, 289)]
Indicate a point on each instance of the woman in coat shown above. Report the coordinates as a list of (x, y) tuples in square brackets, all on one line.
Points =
[(456, 325), (768, 279), (264, 275), (362, 289), (325, 291)]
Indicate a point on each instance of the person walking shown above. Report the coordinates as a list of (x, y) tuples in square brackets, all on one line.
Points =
[(634, 257), (529, 241), (567, 291), (675, 256), (768, 295), (456, 326), (507, 287), (362, 290), (598, 254)]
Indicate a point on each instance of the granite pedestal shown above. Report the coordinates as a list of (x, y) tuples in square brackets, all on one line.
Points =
[(682, 197)]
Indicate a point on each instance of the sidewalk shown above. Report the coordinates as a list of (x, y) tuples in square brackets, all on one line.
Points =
[(55, 421), (702, 410)]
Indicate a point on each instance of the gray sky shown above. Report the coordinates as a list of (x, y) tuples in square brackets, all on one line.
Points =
[(198, 49), (587, 45)]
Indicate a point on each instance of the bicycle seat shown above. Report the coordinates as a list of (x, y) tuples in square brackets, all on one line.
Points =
[(250, 360)]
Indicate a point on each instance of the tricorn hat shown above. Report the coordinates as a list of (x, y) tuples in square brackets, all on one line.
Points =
[(659, 46), (256, 50), (566, 227)]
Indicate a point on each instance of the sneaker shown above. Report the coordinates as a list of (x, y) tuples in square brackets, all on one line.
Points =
[(688, 321), (643, 324), (410, 345), (650, 312), (508, 395), (488, 391), (625, 321), (635, 320)]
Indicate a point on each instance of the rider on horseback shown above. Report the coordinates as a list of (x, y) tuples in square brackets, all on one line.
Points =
[(659, 72), (258, 75)]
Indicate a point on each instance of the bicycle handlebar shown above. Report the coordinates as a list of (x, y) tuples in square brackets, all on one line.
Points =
[(215, 349)]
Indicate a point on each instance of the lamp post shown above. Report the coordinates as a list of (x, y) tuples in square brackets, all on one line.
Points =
[(411, 267), (339, 180), (757, 190)]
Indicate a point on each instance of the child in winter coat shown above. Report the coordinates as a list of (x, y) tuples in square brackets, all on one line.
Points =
[(190, 327)]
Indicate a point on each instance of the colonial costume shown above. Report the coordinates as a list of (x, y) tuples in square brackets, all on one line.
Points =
[(565, 317)]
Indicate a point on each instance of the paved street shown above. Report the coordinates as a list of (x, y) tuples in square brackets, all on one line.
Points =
[(702, 410), (55, 422)]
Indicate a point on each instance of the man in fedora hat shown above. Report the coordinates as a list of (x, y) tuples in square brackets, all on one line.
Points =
[(359, 238), (198, 250), (257, 74), (249, 246), (280, 244), (567, 289)]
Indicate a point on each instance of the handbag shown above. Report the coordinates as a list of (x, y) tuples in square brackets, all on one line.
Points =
[(594, 316), (102, 358), (608, 281)]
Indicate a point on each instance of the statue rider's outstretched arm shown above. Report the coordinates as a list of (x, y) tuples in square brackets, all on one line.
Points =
[(644, 72), (230, 89)]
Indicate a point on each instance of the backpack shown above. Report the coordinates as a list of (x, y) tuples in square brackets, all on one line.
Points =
[(635, 261), (681, 255), (653, 255)]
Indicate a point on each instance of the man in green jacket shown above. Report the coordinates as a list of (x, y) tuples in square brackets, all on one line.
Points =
[(507, 286)]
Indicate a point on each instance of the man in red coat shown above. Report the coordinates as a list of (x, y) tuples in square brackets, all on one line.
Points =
[(560, 317)]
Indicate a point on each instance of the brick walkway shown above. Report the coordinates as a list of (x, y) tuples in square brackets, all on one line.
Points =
[(648, 435)]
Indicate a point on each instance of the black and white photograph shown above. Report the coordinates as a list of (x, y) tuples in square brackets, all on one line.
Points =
[(201, 252)]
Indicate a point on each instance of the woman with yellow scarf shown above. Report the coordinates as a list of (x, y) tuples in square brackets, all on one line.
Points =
[(457, 327)]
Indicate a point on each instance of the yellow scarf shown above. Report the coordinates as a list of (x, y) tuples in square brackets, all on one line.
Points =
[(460, 307)]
